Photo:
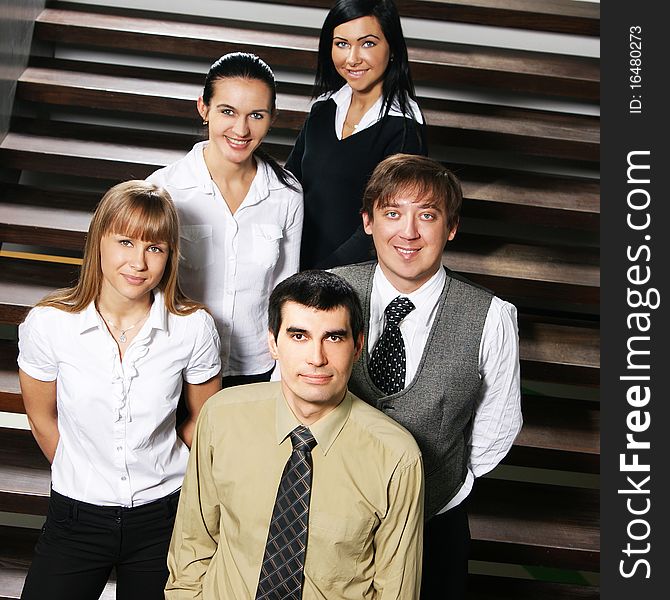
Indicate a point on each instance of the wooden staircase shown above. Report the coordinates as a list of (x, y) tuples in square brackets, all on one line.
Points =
[(105, 98)]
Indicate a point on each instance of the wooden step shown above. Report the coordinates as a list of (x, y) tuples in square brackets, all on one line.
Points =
[(515, 271), (11, 580), (10, 393), (560, 16), (455, 123), (16, 551), (550, 350), (23, 283), (430, 62), (529, 198), (557, 433), (523, 271), (26, 474), (30, 215), (562, 351), (101, 160), (535, 524), (116, 154), (489, 587)]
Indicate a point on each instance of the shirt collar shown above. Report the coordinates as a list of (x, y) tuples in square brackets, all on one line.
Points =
[(158, 315), (191, 171), (198, 167), (200, 177), (342, 99), (89, 318), (425, 299), (325, 430)]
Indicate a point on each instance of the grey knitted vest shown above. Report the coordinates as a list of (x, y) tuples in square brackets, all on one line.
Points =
[(438, 404)]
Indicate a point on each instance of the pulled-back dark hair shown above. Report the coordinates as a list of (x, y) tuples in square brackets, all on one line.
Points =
[(397, 78), (244, 65), (316, 289)]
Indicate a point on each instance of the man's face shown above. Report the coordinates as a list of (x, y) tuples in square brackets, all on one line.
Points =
[(316, 351), (409, 235)]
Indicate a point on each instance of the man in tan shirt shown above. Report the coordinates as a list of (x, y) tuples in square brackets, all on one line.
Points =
[(365, 514)]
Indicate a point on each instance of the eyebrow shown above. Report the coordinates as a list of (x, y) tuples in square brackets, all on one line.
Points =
[(124, 236), (340, 332), (293, 329), (433, 205), (367, 35), (223, 105)]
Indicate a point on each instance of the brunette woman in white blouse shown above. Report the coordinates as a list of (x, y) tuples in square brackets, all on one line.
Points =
[(102, 366), (240, 213)]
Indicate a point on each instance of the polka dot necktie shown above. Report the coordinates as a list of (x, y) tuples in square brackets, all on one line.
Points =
[(284, 558), (388, 363)]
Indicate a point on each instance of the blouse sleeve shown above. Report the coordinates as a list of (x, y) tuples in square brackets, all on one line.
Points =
[(205, 361), (36, 356)]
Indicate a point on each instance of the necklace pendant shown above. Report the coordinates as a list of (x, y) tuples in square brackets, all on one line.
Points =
[(122, 337)]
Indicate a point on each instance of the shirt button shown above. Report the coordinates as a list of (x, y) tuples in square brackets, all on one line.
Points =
[(123, 477), (119, 448)]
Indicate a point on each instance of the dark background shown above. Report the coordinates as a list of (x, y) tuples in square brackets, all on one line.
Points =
[(621, 133)]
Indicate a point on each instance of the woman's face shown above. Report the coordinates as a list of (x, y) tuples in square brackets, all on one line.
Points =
[(240, 115), (131, 267), (361, 54)]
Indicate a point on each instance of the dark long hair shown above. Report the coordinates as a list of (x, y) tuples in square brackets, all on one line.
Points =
[(244, 65), (397, 79)]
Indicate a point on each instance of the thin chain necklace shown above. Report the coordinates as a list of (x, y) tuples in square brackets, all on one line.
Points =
[(122, 337)]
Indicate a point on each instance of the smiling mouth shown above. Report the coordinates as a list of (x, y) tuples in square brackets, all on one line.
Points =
[(357, 72), (237, 143), (408, 252)]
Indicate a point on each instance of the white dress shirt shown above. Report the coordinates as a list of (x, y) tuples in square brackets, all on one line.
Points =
[(342, 99), (497, 419), (118, 444), (231, 262)]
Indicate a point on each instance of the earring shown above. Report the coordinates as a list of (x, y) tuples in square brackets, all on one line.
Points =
[(205, 122)]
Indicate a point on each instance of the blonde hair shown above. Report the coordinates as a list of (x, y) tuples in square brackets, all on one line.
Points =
[(139, 210)]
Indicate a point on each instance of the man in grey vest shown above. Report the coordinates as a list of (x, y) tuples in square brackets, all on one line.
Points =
[(441, 356)]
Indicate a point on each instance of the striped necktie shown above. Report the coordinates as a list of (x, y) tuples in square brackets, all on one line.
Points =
[(284, 558)]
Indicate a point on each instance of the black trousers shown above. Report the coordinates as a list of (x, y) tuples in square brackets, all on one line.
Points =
[(80, 543), (446, 549)]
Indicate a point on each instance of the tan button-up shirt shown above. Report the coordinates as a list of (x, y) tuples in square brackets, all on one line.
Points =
[(366, 509)]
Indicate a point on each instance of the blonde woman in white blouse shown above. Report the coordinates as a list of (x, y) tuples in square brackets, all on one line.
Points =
[(102, 365), (240, 213)]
